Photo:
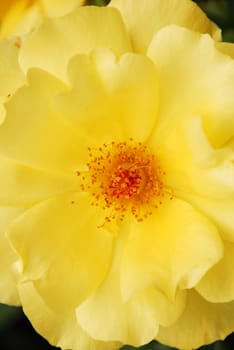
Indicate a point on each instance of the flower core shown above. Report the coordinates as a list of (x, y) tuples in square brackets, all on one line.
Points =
[(124, 176)]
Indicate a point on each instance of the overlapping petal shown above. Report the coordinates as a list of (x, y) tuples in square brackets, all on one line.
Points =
[(144, 18), (107, 316), (22, 185), (192, 164), (57, 38), (11, 76), (226, 48), (219, 210), (20, 17), (75, 128), (193, 63), (110, 95), (17, 17), (74, 242), (54, 8), (8, 258), (201, 323), (172, 249), (45, 141), (60, 329), (217, 285)]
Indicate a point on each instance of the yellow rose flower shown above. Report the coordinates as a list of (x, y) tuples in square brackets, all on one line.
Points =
[(17, 17), (119, 150)]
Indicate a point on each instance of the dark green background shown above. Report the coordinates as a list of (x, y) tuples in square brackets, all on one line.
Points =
[(15, 330)]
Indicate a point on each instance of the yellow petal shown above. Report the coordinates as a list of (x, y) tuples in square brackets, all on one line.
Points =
[(12, 12), (11, 76), (192, 164), (165, 311), (21, 185), (21, 20), (34, 134), (106, 316), (201, 323), (220, 211), (144, 18), (54, 8), (110, 96), (217, 285), (226, 48), (4, 6), (60, 243), (188, 59), (8, 259), (19, 17), (60, 329), (79, 32), (173, 248)]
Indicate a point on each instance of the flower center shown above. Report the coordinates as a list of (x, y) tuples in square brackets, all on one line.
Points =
[(125, 182), (122, 177)]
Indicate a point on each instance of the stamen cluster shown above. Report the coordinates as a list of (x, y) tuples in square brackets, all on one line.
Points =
[(122, 177)]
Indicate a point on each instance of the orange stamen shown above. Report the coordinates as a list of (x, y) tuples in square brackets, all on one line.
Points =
[(122, 177)]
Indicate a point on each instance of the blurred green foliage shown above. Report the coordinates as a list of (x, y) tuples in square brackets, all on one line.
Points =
[(15, 330), (97, 2), (222, 13)]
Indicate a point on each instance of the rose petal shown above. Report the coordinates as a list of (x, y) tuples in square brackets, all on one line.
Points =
[(172, 248), (144, 18), (217, 286), (201, 323), (8, 259), (61, 329), (79, 32), (63, 248), (110, 96), (187, 61), (21, 185)]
